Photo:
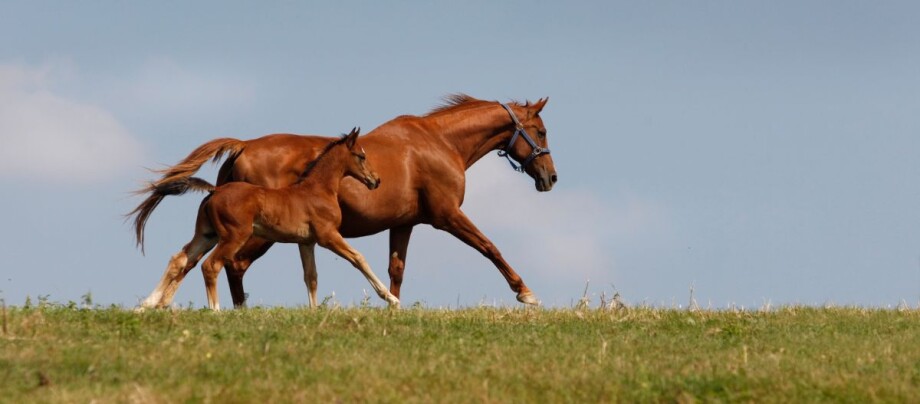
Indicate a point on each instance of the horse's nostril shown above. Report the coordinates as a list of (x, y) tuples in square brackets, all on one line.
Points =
[(553, 178)]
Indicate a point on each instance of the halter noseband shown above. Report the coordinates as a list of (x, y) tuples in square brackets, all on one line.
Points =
[(519, 130)]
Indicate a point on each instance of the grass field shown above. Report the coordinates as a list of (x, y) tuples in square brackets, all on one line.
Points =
[(65, 353)]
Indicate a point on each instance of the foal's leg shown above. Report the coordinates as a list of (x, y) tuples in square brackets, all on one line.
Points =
[(461, 227), (223, 254), (193, 256), (176, 264), (210, 269), (333, 241), (308, 260), (179, 265), (399, 244)]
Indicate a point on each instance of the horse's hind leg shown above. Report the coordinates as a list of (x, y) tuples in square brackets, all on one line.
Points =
[(253, 249), (308, 261), (335, 243), (237, 293), (179, 265), (235, 272), (399, 244)]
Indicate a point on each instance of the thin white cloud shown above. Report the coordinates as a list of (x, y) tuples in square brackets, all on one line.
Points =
[(163, 87), (569, 232), (47, 136)]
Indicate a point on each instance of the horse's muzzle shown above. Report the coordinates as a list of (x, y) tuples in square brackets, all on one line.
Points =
[(545, 181)]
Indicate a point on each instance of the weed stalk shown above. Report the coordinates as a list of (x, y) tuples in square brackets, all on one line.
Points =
[(5, 329)]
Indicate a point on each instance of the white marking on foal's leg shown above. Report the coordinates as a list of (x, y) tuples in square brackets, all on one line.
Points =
[(308, 261), (176, 263), (375, 282), (152, 300), (338, 245)]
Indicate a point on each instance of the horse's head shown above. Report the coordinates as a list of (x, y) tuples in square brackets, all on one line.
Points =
[(357, 165), (529, 146)]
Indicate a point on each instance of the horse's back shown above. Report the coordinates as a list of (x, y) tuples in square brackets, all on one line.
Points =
[(233, 197), (276, 160)]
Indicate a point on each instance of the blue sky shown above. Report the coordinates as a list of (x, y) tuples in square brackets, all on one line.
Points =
[(759, 151)]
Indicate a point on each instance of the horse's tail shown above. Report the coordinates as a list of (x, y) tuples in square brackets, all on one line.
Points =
[(177, 180)]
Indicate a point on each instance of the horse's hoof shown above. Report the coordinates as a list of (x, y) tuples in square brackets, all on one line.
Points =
[(528, 298)]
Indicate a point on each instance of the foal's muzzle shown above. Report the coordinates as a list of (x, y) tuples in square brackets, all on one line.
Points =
[(372, 182)]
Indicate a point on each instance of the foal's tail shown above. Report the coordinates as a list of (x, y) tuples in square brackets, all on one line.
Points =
[(177, 180)]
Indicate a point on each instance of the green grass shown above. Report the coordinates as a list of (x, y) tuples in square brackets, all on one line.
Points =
[(55, 353)]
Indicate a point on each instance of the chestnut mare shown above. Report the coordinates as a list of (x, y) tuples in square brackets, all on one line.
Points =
[(423, 160), (306, 212)]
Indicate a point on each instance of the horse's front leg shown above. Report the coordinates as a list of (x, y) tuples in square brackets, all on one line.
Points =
[(399, 245), (460, 226)]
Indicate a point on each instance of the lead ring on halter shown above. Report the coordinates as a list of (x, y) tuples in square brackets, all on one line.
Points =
[(519, 130)]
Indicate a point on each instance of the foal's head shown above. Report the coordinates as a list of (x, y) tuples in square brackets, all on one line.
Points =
[(356, 164)]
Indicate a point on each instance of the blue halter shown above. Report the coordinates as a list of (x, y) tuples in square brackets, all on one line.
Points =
[(519, 130)]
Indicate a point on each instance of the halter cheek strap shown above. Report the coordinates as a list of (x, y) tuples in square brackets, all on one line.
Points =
[(519, 131)]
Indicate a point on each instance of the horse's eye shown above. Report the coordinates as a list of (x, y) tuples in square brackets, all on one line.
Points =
[(541, 133)]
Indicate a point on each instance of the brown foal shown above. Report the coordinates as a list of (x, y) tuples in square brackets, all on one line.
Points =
[(306, 213), (424, 159)]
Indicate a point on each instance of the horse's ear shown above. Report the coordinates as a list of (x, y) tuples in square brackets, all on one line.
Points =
[(538, 106), (352, 137), (534, 109)]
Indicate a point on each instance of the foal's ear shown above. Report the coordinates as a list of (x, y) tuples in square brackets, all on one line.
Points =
[(352, 137)]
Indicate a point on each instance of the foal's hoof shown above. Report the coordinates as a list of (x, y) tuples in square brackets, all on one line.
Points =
[(151, 302), (148, 305), (393, 301), (528, 298)]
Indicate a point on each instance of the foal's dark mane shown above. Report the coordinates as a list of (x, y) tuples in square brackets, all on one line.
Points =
[(312, 164)]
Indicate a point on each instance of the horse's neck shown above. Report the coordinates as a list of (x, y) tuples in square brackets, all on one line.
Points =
[(477, 131)]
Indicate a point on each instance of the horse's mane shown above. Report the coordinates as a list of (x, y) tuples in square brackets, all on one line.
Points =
[(453, 102), (310, 166)]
